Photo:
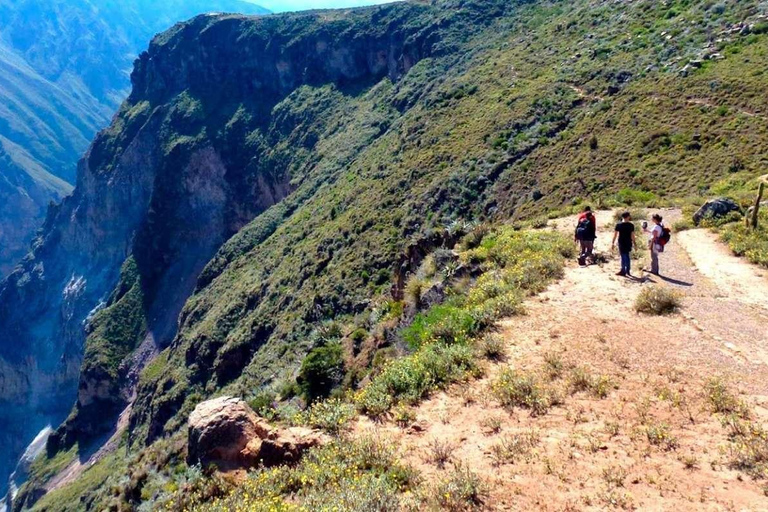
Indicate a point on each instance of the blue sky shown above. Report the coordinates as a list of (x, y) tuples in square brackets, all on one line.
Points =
[(297, 5)]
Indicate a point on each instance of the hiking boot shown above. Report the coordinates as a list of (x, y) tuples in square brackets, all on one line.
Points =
[(622, 274)]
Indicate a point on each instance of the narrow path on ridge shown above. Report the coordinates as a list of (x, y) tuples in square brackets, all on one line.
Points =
[(596, 453)]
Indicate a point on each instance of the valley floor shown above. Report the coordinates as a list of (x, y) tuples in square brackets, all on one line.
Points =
[(655, 441)]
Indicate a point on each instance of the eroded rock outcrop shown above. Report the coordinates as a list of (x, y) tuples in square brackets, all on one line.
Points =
[(226, 432)]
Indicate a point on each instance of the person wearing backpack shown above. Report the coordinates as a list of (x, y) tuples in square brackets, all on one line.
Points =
[(658, 236), (586, 233), (625, 232)]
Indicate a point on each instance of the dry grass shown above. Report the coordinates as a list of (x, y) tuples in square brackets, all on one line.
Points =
[(439, 452), (514, 447), (493, 347), (657, 300)]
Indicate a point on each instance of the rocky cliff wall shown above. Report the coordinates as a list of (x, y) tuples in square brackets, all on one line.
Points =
[(201, 147)]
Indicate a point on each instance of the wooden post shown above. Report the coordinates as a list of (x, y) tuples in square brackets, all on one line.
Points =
[(753, 222)]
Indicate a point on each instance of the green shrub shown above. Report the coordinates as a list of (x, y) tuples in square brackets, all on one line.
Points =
[(749, 243), (321, 371), (412, 377), (597, 385), (657, 300), (658, 434), (683, 224), (748, 448), (330, 415), (263, 403), (636, 214), (443, 323), (714, 222), (361, 474)]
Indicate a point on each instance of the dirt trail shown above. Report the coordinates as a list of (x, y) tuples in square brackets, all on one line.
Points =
[(597, 454)]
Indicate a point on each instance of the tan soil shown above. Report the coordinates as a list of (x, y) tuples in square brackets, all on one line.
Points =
[(588, 318)]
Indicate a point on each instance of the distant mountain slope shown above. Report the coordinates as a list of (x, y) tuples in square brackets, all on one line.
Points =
[(64, 67)]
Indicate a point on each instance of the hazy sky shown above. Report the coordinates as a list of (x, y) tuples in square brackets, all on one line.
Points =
[(297, 5)]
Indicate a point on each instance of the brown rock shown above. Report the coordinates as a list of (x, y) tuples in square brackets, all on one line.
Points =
[(287, 446), (225, 431)]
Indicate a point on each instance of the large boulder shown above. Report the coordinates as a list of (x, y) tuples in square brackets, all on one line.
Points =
[(226, 432), (716, 208)]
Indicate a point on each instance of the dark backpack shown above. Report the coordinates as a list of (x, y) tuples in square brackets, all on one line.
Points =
[(666, 236), (583, 228)]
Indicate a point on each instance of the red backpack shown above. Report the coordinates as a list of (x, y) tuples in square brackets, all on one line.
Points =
[(666, 236)]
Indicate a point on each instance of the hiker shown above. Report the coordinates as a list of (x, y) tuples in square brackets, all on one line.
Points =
[(586, 229), (625, 232), (655, 241)]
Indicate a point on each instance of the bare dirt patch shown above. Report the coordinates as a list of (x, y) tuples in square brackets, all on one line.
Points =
[(654, 442)]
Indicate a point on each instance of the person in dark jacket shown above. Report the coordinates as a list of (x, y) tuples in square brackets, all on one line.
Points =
[(625, 234), (586, 233)]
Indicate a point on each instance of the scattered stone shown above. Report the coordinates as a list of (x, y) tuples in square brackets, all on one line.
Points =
[(226, 432), (536, 195), (715, 208)]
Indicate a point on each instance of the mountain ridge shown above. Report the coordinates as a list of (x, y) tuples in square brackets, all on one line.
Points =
[(64, 70)]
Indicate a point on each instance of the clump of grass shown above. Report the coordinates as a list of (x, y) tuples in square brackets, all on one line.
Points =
[(462, 490), (525, 390), (493, 347), (637, 214), (659, 435), (598, 386), (413, 290), (683, 224), (690, 462), (612, 428), (403, 416), (475, 236), (714, 222), (439, 452), (515, 447), (446, 324), (748, 449), (614, 476), (657, 300), (492, 424), (539, 222), (722, 400), (553, 365), (614, 498)]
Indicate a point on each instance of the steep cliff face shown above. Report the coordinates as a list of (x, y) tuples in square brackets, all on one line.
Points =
[(64, 70), (200, 148)]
